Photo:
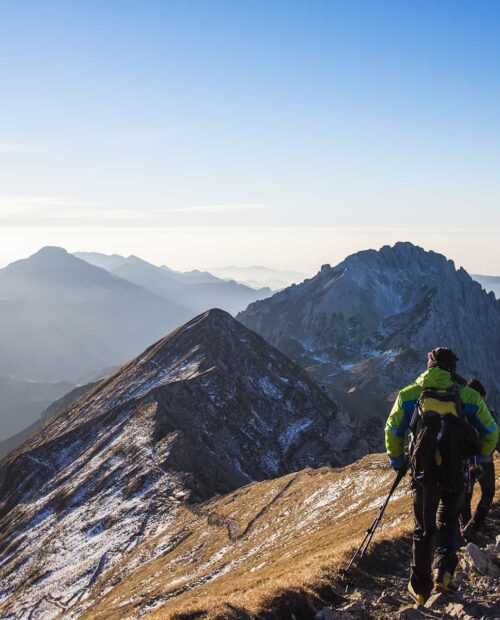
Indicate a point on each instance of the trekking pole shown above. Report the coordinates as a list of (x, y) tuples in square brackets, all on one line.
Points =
[(371, 530)]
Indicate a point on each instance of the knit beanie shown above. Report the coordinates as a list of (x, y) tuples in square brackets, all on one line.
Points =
[(442, 358)]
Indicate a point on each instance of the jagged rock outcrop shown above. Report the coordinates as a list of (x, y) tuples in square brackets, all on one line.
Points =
[(209, 408), (489, 283), (364, 327)]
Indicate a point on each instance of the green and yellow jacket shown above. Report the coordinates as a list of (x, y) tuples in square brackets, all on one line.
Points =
[(401, 414)]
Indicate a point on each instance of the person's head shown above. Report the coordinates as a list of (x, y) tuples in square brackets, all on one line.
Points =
[(475, 384), (442, 358)]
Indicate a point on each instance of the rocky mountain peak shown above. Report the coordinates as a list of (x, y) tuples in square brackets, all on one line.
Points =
[(403, 256), (50, 252), (363, 327), (55, 264)]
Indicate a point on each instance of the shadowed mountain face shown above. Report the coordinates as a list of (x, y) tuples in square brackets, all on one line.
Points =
[(364, 327), (62, 318), (195, 290), (209, 408)]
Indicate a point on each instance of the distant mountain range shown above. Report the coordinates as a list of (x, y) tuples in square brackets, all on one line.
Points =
[(207, 409), (258, 276), (363, 328), (62, 317), (106, 308), (109, 306), (194, 290)]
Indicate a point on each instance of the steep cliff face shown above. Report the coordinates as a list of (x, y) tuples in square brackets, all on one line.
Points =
[(209, 408), (364, 327)]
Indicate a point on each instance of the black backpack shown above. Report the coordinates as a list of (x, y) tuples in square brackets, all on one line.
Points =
[(442, 440)]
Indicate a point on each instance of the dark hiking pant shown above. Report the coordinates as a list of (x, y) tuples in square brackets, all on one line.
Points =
[(487, 484), (436, 511)]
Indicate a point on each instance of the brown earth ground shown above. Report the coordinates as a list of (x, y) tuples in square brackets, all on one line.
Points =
[(276, 549)]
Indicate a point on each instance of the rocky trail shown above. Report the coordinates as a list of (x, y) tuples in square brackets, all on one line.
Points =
[(378, 588), (275, 550)]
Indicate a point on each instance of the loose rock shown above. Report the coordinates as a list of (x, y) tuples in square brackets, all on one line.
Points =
[(481, 560)]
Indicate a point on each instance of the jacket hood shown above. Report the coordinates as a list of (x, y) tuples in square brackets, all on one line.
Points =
[(435, 378)]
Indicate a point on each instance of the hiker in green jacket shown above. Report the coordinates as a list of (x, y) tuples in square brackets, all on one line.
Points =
[(482, 470), (449, 422)]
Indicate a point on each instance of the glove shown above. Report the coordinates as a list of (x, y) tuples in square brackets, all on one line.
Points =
[(401, 471), (399, 464)]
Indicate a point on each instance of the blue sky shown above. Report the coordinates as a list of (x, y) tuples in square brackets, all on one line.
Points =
[(283, 133)]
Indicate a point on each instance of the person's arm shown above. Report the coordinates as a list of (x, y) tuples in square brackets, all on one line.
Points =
[(490, 435), (397, 424), (480, 417)]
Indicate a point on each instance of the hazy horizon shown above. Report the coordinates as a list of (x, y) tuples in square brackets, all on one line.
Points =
[(287, 134), (155, 257)]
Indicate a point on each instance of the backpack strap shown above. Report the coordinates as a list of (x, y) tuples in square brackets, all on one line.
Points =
[(458, 402), (417, 414)]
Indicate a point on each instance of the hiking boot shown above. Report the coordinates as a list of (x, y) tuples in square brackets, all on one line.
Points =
[(419, 599), (443, 582)]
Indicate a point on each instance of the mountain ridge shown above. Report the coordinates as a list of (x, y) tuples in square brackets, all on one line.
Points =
[(209, 408)]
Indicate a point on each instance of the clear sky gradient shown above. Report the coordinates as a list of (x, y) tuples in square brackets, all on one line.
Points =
[(271, 132)]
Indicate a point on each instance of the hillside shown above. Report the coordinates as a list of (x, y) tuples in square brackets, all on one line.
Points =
[(275, 550), (62, 318), (195, 290), (206, 410), (364, 327), (242, 550), (263, 552)]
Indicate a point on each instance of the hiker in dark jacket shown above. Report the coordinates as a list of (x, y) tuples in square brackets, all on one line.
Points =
[(482, 470), (437, 407)]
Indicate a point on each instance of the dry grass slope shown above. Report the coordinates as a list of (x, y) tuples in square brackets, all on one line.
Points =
[(268, 550), (244, 550)]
